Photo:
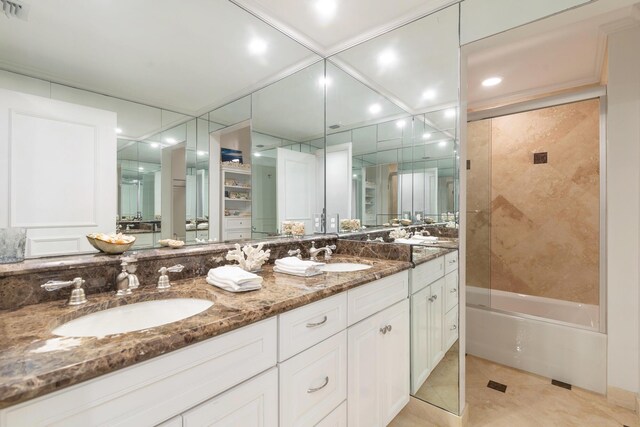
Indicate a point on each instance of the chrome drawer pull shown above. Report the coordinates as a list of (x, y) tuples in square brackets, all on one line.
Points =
[(453, 291), (314, 389), (435, 297), (388, 327), (383, 330), (453, 261), (453, 328), (313, 325)]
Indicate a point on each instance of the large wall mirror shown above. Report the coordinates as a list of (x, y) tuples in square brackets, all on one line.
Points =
[(392, 108)]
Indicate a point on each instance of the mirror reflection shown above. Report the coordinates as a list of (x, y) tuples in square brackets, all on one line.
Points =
[(393, 107)]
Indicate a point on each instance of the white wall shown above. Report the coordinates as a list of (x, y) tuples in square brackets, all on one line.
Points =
[(623, 209)]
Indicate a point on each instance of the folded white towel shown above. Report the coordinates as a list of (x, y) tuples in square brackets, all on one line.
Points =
[(233, 274), (405, 241), (425, 238), (311, 271), (233, 287), (296, 263)]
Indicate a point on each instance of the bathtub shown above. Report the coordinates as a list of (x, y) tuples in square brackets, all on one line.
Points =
[(556, 339)]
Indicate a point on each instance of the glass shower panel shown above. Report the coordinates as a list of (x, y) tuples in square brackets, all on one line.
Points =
[(478, 170)]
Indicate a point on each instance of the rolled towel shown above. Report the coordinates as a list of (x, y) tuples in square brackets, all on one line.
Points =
[(233, 287), (234, 274), (405, 241)]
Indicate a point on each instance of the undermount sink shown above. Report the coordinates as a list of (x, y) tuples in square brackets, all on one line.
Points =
[(344, 267), (132, 317)]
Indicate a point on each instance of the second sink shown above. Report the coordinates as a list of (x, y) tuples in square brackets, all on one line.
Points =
[(132, 317)]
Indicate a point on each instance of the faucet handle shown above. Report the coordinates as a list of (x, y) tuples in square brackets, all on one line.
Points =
[(296, 252), (313, 244), (77, 294), (163, 281)]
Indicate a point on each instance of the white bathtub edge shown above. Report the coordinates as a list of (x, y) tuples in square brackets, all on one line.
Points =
[(572, 355)]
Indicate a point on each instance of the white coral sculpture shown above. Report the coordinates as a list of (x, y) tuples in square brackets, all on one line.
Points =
[(250, 258), (398, 233)]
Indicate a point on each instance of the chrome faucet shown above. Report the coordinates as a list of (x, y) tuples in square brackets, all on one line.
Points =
[(163, 281), (328, 251), (77, 294)]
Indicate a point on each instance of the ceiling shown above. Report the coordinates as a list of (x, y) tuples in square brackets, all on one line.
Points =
[(189, 59), (329, 26), (560, 52)]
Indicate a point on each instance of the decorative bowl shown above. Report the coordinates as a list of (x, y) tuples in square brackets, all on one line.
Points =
[(111, 248)]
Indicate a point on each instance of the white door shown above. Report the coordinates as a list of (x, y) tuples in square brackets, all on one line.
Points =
[(436, 322), (363, 397), (296, 185), (420, 358), (58, 173), (251, 404), (394, 361), (339, 179)]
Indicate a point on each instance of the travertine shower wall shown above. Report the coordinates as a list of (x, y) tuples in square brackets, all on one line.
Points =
[(544, 218)]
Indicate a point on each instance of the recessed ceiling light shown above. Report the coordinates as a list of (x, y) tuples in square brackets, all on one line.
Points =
[(375, 108), (171, 140), (257, 46), (429, 94), (154, 145), (140, 168), (401, 123), (324, 81), (326, 8), (387, 57), (257, 154), (426, 135), (451, 112), (201, 153), (491, 81), (442, 143), (355, 176), (118, 130)]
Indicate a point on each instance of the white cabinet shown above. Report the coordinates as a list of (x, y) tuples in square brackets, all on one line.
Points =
[(314, 382), (427, 346), (369, 299), (251, 404), (303, 327), (378, 367), (434, 315), (337, 418), (236, 203)]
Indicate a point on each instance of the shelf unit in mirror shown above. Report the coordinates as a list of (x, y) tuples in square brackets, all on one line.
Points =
[(236, 203)]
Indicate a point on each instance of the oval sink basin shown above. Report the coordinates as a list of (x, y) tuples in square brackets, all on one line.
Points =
[(132, 317), (344, 267)]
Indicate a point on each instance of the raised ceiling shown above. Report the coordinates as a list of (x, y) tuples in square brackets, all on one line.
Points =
[(561, 52)]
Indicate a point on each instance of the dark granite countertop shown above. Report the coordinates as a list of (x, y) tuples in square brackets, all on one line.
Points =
[(425, 253), (34, 362)]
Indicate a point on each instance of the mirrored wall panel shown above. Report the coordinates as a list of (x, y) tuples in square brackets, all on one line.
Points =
[(392, 120)]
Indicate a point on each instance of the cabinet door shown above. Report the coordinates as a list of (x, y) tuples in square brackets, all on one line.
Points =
[(436, 322), (251, 404), (394, 361), (420, 358), (363, 401)]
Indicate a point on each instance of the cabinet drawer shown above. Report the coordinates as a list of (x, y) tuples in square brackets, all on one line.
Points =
[(337, 418), (369, 299), (451, 328), (314, 382), (238, 222), (451, 262), (251, 404), (238, 234), (151, 392), (426, 273), (306, 326), (451, 290), (173, 422)]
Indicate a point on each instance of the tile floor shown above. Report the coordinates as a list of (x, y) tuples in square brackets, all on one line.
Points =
[(529, 401)]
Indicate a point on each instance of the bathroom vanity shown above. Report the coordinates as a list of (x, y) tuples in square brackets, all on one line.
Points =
[(293, 353)]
